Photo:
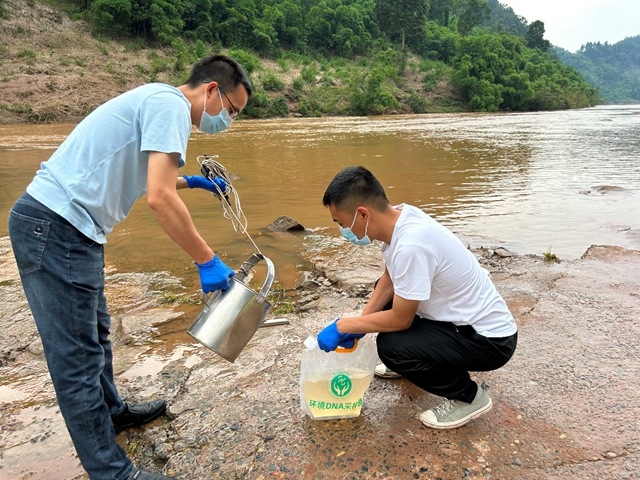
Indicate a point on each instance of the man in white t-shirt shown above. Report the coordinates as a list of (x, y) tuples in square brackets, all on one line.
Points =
[(131, 146), (437, 313)]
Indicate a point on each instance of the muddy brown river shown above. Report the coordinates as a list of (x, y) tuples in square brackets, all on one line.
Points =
[(524, 180)]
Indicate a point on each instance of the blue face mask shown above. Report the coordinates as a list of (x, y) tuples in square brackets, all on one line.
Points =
[(217, 124), (352, 237)]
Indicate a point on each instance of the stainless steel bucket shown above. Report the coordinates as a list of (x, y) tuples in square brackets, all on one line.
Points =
[(229, 319)]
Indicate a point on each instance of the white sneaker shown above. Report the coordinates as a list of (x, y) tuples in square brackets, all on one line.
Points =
[(384, 372), (454, 413)]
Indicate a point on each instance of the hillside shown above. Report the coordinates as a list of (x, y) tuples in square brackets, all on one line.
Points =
[(613, 68), (55, 68)]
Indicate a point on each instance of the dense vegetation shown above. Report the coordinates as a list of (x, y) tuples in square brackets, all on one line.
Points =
[(614, 69), (354, 57)]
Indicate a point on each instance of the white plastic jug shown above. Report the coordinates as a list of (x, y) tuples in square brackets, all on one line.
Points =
[(332, 385)]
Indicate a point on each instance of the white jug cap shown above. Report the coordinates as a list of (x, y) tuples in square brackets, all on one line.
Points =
[(310, 343)]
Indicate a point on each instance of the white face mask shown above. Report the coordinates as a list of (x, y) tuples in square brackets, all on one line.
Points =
[(217, 124), (352, 237)]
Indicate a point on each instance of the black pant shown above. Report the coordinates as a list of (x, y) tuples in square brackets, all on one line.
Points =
[(438, 356)]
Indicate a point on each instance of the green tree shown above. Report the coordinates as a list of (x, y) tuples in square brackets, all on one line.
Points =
[(111, 16), (535, 36), (503, 19), (487, 71), (471, 13), (440, 11), (401, 17), (498, 72), (198, 23), (320, 20), (438, 43), (351, 33), (290, 25), (248, 24), (165, 20)]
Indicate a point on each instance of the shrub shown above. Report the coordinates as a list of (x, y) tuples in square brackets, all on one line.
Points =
[(309, 107), (27, 54), (417, 103), (257, 105), (250, 63), (272, 83), (298, 84), (278, 107), (309, 73)]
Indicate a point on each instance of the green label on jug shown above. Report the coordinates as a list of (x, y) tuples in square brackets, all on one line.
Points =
[(341, 385)]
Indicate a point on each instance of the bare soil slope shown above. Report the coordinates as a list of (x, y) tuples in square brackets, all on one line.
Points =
[(52, 70)]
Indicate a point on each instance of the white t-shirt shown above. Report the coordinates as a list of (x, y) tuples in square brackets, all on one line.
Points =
[(428, 263), (100, 170)]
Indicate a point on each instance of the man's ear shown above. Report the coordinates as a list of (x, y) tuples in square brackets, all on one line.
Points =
[(211, 86), (363, 212)]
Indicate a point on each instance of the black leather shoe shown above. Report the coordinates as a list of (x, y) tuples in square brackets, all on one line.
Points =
[(138, 415), (144, 475)]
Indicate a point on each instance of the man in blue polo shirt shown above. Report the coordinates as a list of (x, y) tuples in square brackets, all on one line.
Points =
[(131, 146)]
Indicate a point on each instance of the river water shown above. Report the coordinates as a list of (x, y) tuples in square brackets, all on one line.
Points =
[(523, 181)]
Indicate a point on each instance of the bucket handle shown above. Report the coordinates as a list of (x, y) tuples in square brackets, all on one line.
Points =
[(244, 270), (266, 286), (251, 262)]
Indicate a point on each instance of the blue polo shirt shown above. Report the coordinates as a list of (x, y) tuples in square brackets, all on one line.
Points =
[(100, 170)]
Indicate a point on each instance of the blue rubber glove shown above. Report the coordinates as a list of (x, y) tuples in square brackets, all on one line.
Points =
[(350, 340), (330, 338), (197, 181), (214, 275)]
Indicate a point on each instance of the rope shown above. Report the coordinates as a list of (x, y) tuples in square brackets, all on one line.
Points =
[(229, 198)]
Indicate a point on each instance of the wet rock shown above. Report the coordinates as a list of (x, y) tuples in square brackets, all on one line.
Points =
[(308, 282), (602, 190), (503, 252), (284, 224)]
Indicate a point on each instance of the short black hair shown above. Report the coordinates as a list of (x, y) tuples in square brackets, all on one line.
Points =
[(222, 69), (354, 186)]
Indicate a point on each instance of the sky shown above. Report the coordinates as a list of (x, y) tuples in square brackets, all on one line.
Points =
[(572, 23)]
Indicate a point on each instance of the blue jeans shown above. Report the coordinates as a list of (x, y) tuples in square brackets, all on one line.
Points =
[(62, 274)]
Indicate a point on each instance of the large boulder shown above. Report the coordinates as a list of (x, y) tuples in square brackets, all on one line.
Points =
[(284, 224)]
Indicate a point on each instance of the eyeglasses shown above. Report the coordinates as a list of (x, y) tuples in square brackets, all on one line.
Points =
[(236, 111)]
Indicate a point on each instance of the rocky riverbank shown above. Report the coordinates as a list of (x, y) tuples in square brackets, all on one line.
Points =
[(566, 406)]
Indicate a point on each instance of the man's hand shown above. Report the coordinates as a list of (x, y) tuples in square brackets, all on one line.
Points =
[(330, 338), (214, 275), (198, 181), (349, 340)]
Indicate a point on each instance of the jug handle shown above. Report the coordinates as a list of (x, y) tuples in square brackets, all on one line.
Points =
[(348, 350)]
